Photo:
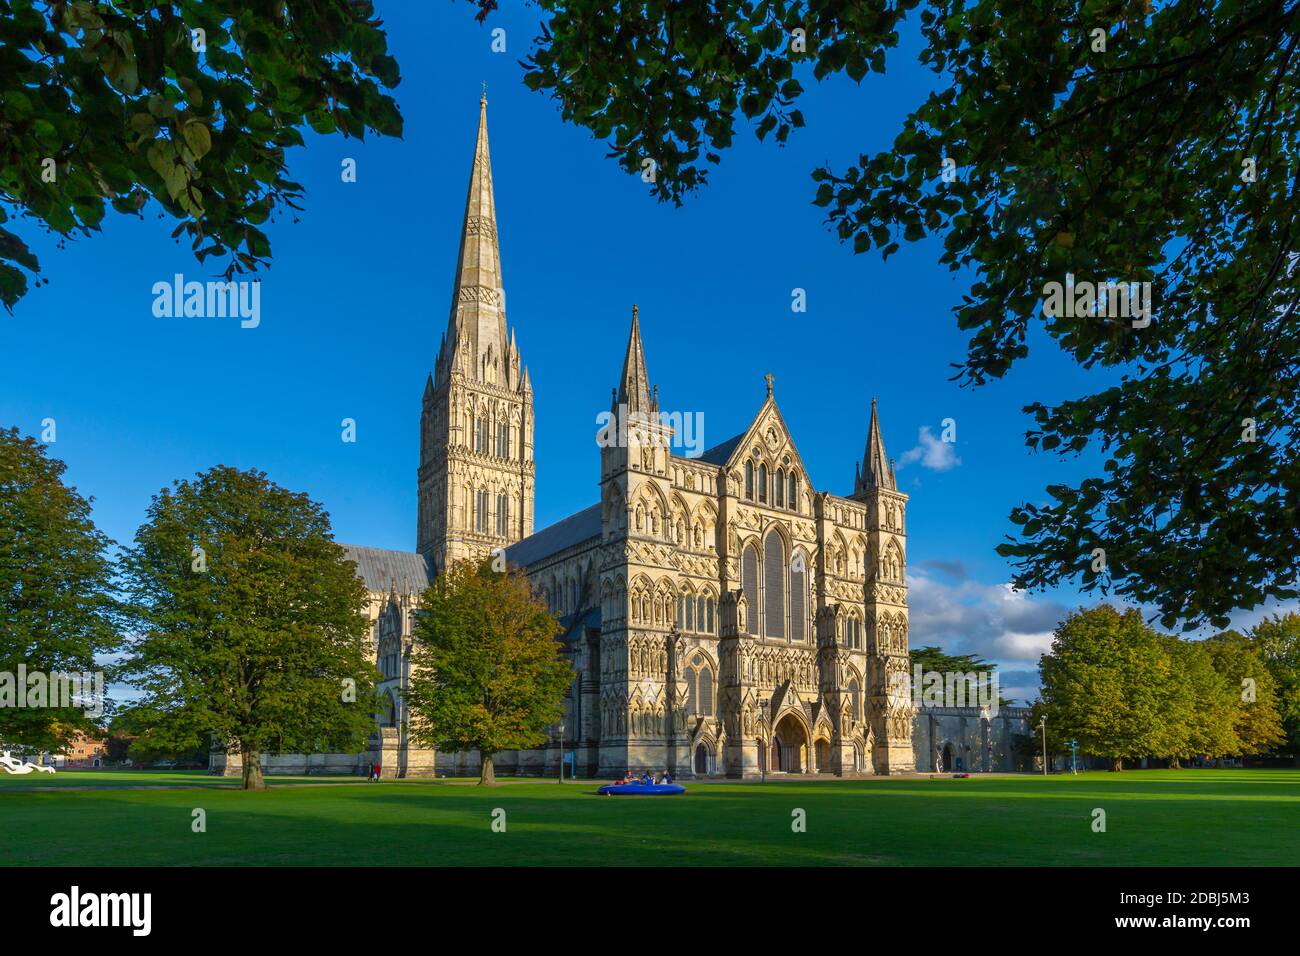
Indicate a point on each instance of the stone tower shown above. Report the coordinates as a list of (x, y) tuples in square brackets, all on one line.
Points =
[(476, 474), (889, 703), (638, 650)]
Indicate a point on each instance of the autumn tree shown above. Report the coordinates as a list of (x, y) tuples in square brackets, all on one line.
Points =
[(250, 630), (489, 673), (188, 108), (1101, 684), (1257, 723), (1277, 638), (57, 610), (1118, 140)]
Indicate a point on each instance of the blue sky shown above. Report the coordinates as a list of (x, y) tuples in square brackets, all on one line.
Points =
[(357, 298)]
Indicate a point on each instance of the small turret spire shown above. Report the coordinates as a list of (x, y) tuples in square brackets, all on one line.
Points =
[(634, 385), (877, 470)]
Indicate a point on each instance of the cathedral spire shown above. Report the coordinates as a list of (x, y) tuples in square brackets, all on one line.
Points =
[(634, 386), (477, 323), (876, 471)]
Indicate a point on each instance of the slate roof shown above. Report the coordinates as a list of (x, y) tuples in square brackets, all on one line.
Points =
[(381, 569), (719, 454), (565, 533)]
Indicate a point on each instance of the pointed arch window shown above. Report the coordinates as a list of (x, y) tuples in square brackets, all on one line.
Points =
[(774, 573), (762, 483), (706, 692), (503, 515), (779, 487), (798, 596), (708, 604), (749, 480), (794, 492), (690, 612), (481, 511), (749, 583)]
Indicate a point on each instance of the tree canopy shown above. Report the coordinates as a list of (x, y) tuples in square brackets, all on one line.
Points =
[(1116, 140), (57, 609), (113, 103), (1124, 691), (489, 674), (250, 630)]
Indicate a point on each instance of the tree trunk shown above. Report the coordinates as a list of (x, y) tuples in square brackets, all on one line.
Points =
[(1116, 764), (488, 777), (253, 779), (1174, 764)]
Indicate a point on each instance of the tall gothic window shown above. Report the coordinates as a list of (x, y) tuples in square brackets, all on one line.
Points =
[(706, 692), (708, 604), (779, 488), (749, 582), (503, 440), (749, 480), (699, 613), (794, 492), (774, 570), (762, 483), (481, 437), (798, 597), (503, 515), (481, 510)]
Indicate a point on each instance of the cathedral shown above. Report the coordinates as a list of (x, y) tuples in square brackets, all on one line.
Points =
[(722, 615)]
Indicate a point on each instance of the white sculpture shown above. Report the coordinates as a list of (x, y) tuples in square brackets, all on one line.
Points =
[(15, 766)]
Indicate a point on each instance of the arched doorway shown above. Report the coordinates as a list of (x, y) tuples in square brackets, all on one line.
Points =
[(701, 760), (790, 745), (822, 750), (947, 757)]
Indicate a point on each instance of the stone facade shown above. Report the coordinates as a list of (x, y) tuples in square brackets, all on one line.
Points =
[(971, 740), (723, 615)]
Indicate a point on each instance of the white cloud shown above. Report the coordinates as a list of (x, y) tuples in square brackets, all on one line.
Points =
[(932, 453)]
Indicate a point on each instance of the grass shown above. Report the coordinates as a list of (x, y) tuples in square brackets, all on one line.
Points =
[(1157, 818)]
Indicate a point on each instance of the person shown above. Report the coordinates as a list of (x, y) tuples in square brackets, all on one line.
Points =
[(667, 778)]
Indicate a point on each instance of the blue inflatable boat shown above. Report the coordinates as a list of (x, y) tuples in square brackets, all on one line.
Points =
[(640, 789)]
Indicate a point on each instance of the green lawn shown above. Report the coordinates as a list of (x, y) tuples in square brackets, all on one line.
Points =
[(1157, 817)]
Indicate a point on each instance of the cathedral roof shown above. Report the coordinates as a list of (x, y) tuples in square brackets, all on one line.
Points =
[(720, 454), (382, 570), (575, 529)]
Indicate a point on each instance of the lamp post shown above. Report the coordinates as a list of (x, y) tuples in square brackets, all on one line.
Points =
[(561, 751), (1042, 725), (762, 757)]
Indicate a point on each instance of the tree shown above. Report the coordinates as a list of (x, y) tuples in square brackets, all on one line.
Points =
[(1257, 724), (489, 673), (116, 102), (57, 610), (1101, 684), (1278, 640), (1200, 708), (250, 624), (1113, 141)]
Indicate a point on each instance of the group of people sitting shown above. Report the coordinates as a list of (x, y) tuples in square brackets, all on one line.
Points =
[(646, 778)]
